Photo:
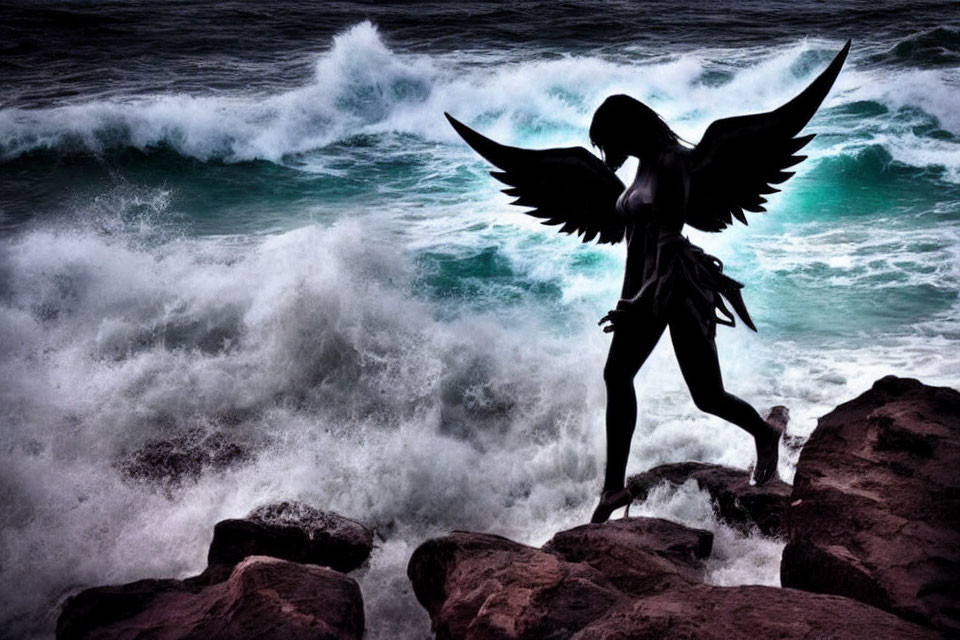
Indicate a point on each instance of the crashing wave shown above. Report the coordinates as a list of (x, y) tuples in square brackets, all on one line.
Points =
[(361, 87)]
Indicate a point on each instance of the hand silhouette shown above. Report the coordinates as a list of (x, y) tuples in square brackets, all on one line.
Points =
[(625, 311)]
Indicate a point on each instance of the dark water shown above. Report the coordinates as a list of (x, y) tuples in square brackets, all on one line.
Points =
[(251, 220), (56, 51)]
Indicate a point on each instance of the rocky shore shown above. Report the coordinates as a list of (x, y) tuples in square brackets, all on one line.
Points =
[(278, 573), (872, 526)]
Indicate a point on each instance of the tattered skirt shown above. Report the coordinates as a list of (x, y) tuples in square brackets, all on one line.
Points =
[(680, 277)]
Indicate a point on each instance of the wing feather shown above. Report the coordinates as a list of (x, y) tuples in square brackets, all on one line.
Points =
[(739, 158), (570, 187)]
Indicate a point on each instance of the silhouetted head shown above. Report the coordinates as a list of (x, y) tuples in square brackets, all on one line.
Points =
[(624, 126)]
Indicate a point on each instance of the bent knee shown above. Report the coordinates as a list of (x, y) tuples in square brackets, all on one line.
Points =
[(710, 402)]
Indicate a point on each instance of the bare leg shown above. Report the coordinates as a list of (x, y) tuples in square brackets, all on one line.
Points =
[(631, 345), (697, 356)]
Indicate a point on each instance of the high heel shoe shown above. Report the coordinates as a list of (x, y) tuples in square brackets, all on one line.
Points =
[(610, 501)]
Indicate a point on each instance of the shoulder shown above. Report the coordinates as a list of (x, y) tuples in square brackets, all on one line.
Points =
[(675, 168), (673, 184), (676, 162)]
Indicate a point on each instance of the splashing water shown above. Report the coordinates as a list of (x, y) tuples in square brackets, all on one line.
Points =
[(322, 276)]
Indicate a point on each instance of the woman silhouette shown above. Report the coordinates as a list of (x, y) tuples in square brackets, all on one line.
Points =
[(668, 281)]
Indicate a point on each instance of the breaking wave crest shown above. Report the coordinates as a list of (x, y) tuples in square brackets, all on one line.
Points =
[(361, 87)]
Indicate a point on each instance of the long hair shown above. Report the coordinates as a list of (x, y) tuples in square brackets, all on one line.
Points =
[(622, 118)]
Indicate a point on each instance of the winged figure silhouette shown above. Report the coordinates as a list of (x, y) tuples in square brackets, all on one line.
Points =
[(668, 281)]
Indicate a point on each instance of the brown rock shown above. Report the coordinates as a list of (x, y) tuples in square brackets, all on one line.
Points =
[(243, 593), (478, 586), (639, 555), (744, 613), (615, 580), (291, 531), (99, 607), (262, 598), (735, 500), (183, 458), (876, 504)]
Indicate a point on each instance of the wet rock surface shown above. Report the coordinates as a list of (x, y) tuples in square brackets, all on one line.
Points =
[(292, 531), (632, 578), (874, 546), (873, 527), (736, 502), (875, 511), (477, 585), (263, 580), (744, 613), (182, 458), (639, 555), (261, 598)]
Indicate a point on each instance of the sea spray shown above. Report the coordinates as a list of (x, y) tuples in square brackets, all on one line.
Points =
[(311, 267), (360, 86)]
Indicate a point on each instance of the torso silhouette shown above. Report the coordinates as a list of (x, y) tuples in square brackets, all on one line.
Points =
[(668, 280), (652, 207)]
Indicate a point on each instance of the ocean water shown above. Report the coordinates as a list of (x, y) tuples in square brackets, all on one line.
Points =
[(248, 225)]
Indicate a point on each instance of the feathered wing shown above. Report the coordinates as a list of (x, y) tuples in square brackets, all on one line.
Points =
[(569, 187), (739, 158)]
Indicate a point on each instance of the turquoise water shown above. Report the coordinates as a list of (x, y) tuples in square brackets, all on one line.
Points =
[(301, 254)]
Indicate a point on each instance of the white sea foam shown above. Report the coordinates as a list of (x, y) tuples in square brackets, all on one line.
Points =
[(874, 257), (308, 347), (736, 558), (361, 87), (304, 343), (355, 83)]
